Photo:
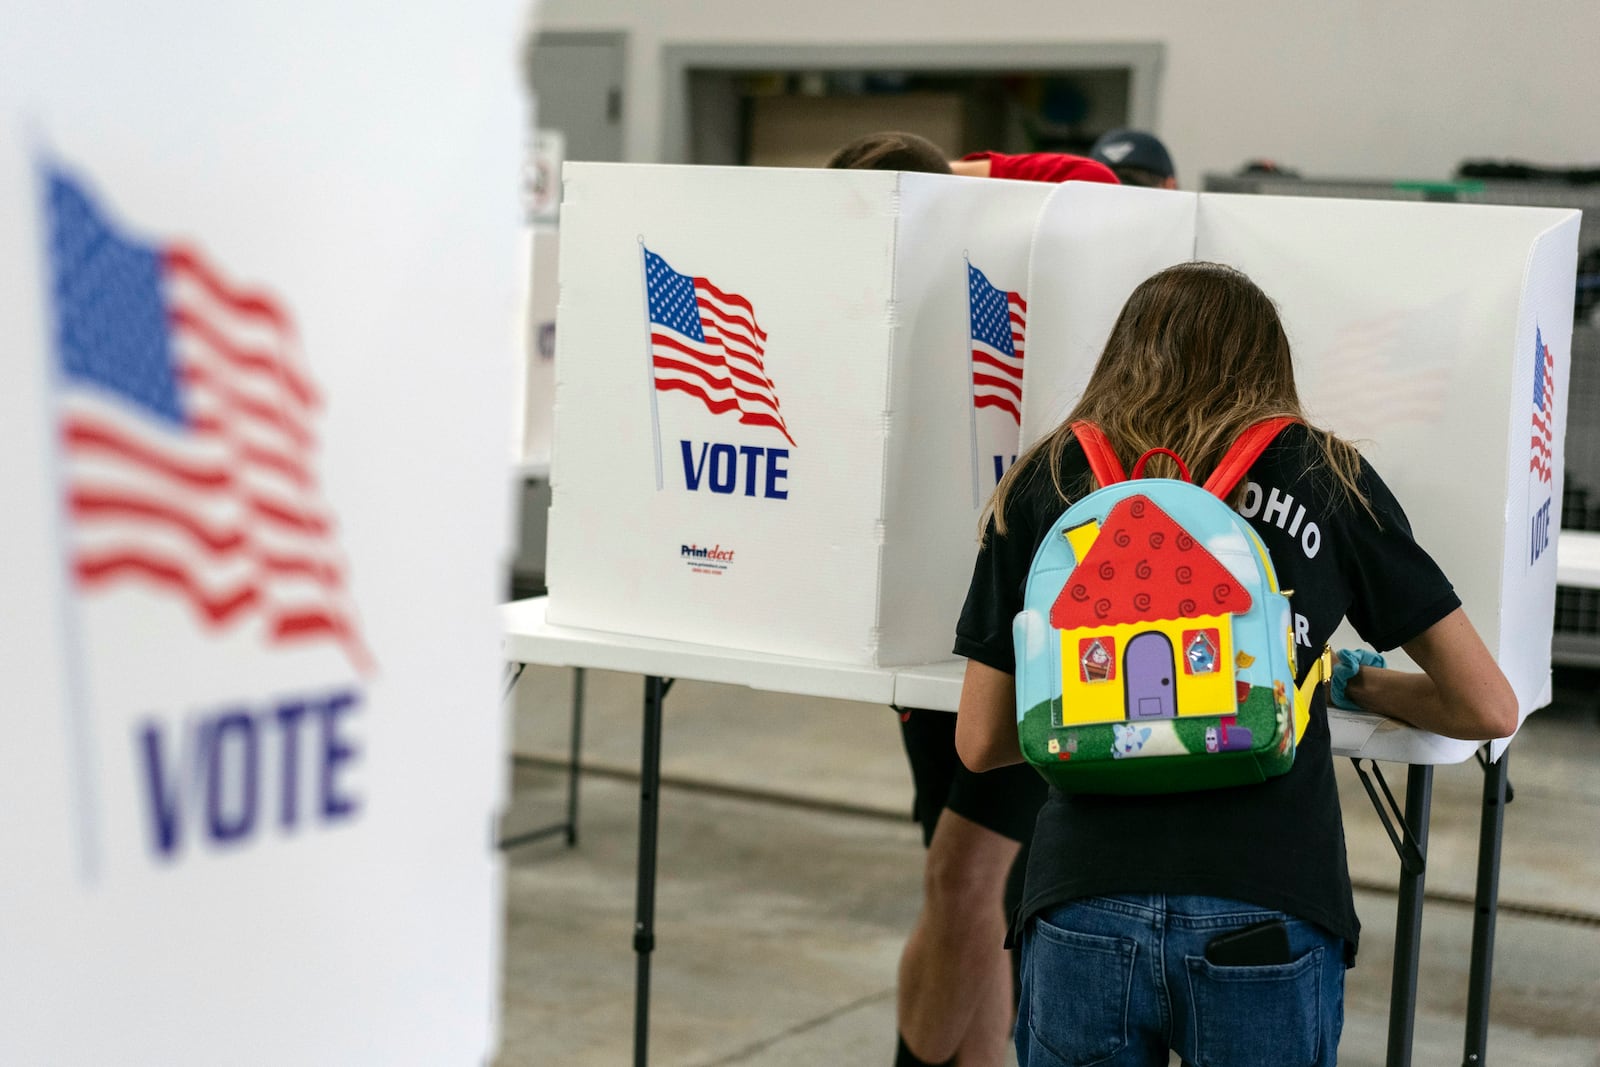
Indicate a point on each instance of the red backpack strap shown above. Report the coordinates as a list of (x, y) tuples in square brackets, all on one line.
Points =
[(1103, 461), (1245, 451)]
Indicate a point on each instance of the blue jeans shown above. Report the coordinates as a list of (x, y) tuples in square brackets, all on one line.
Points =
[(1117, 981)]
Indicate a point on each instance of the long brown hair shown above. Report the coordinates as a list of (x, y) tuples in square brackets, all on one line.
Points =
[(1197, 355)]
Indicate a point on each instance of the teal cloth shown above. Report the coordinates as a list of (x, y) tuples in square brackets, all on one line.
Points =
[(1347, 663)]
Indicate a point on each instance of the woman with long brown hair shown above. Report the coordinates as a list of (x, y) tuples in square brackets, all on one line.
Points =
[(1215, 923)]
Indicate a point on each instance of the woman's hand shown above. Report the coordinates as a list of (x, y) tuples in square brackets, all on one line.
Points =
[(1461, 692)]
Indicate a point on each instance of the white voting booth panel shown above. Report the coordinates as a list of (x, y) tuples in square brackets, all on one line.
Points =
[(1436, 337), (253, 414), (771, 430)]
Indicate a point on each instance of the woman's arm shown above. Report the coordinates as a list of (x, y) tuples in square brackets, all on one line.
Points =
[(986, 723), (1461, 692)]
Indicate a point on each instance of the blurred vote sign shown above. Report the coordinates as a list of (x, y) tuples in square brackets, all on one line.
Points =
[(259, 262)]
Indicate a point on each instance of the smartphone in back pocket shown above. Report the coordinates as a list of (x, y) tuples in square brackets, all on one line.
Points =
[(1260, 944)]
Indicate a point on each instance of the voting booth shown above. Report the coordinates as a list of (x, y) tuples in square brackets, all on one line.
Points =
[(254, 414), (1435, 337), (782, 397)]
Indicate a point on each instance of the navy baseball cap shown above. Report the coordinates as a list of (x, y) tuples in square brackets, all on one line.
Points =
[(1133, 148)]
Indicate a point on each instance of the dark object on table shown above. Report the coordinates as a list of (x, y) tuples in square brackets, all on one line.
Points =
[(1516, 171), (1267, 166)]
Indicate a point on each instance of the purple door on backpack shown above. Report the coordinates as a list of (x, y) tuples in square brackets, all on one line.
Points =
[(1149, 670)]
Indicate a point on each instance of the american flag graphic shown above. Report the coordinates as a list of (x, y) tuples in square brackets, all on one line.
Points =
[(1392, 348), (186, 425), (998, 321), (707, 343), (1541, 450)]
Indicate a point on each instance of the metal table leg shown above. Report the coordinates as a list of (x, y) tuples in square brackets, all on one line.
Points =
[(568, 827), (1411, 844), (572, 759), (1408, 920), (1496, 795), (644, 938)]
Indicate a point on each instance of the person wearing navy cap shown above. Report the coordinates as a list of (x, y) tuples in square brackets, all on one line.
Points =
[(1137, 158)]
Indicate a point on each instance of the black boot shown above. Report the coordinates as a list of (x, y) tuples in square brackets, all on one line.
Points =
[(904, 1057)]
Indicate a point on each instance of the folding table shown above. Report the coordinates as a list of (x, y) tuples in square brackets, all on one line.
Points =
[(1360, 737)]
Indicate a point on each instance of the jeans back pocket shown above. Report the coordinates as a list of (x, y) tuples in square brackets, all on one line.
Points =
[(1079, 986), (1246, 1016)]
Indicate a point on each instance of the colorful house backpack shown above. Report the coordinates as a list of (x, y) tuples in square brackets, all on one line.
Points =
[(1155, 651)]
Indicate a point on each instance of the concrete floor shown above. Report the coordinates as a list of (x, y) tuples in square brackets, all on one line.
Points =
[(790, 871)]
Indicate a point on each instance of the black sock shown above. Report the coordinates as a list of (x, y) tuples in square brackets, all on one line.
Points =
[(904, 1057)]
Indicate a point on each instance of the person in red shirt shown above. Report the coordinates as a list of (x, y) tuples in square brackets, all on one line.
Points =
[(1034, 167), (896, 150), (956, 997)]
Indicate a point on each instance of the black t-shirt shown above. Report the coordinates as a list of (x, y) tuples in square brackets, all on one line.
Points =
[(1278, 844)]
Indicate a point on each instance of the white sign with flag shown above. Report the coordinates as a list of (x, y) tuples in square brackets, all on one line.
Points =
[(255, 318), (781, 398)]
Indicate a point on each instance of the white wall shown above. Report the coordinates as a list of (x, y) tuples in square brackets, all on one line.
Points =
[(1356, 88)]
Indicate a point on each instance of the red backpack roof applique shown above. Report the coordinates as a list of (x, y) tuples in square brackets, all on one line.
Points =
[(1142, 567)]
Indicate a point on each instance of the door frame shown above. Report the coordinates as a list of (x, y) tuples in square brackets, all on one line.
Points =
[(1144, 61)]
